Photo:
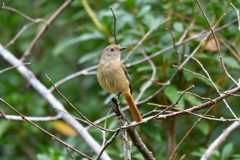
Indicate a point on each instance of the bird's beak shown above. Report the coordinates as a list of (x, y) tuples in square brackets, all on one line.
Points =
[(122, 48)]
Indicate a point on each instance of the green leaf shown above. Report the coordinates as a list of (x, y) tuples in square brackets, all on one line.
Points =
[(226, 152), (62, 47), (192, 99), (43, 157), (152, 131), (4, 125), (144, 10), (231, 62), (144, 68), (144, 84), (189, 76), (178, 27), (171, 92), (90, 56), (203, 126)]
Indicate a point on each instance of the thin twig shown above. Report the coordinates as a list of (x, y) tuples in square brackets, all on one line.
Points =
[(2, 114), (219, 140), (107, 143), (24, 15), (192, 86), (197, 74), (33, 119), (114, 29), (152, 77), (6, 69), (230, 49), (2, 4), (174, 45), (18, 35), (202, 98), (105, 125), (144, 37), (44, 28), (157, 83), (208, 117), (187, 29), (175, 150), (125, 124), (74, 75), (69, 153), (237, 15)]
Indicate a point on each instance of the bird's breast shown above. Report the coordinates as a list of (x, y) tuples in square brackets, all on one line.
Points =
[(111, 77)]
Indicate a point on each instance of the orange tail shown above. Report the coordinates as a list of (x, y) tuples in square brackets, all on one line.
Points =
[(133, 108)]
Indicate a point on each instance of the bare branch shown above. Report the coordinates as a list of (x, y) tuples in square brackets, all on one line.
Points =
[(108, 142), (2, 4), (219, 140), (114, 29), (237, 15), (175, 150), (123, 120), (144, 37), (174, 45), (74, 75), (33, 119), (44, 28), (23, 15), (152, 77), (6, 69)]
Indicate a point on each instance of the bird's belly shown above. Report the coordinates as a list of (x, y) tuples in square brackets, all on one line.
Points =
[(112, 79)]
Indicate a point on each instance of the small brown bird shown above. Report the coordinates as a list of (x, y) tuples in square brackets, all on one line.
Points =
[(113, 77)]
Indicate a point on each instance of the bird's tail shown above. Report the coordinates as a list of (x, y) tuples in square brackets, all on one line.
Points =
[(133, 108)]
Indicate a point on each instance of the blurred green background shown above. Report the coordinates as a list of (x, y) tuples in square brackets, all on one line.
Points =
[(74, 42)]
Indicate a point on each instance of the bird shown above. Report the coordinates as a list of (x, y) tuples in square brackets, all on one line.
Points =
[(114, 78)]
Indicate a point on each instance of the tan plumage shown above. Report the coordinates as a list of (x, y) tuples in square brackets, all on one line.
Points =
[(113, 77)]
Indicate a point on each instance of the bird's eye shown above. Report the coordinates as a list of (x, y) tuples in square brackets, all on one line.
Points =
[(111, 49)]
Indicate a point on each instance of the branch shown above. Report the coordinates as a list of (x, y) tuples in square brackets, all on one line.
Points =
[(33, 119), (23, 15), (131, 131), (2, 4), (152, 77), (174, 45), (114, 29), (44, 28), (219, 140), (144, 37), (6, 69), (175, 150), (237, 15)]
